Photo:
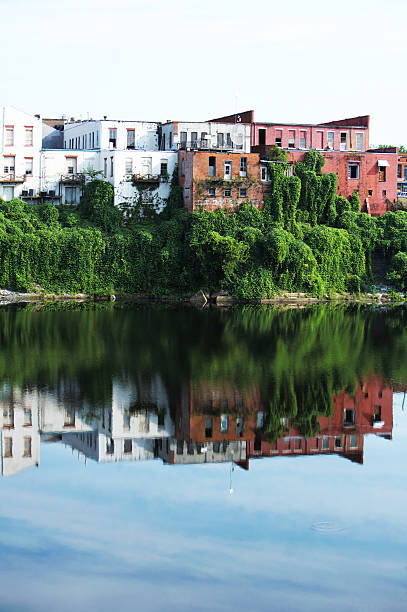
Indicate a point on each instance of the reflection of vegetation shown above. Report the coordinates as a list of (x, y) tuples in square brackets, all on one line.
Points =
[(297, 359)]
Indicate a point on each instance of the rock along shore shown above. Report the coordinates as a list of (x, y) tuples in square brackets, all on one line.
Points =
[(202, 298)]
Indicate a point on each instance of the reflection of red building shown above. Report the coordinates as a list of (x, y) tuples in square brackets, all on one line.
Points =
[(222, 412)]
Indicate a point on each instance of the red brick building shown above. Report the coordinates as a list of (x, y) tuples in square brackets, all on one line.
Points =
[(212, 180), (345, 146), (402, 175)]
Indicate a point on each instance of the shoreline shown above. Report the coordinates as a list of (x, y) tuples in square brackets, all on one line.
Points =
[(202, 299)]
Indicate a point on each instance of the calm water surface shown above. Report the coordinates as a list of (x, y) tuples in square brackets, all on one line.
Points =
[(162, 458)]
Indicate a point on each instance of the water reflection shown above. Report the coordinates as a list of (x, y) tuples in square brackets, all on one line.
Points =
[(210, 423)]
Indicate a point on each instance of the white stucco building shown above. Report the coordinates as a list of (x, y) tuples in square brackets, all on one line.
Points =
[(20, 144), (205, 135)]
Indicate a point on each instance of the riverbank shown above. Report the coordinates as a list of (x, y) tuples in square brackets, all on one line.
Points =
[(201, 298)]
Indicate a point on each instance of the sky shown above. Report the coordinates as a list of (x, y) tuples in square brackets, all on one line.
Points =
[(156, 60)]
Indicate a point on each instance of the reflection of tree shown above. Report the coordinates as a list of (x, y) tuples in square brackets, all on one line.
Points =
[(297, 359)]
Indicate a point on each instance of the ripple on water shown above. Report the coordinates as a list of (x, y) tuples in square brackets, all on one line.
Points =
[(328, 527)]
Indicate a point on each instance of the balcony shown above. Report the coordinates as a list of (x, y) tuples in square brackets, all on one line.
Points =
[(148, 179), (208, 145), (12, 178), (72, 179)]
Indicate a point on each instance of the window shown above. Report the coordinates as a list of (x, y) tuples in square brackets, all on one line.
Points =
[(70, 195), (291, 139), (359, 141), (183, 167), (163, 143), (279, 138), (405, 173), (113, 137), (338, 442), (353, 170), (260, 420), (28, 140), (384, 193), (128, 166), (228, 193), (194, 139), (229, 143), (325, 443), (208, 428), (9, 135), (109, 446), (71, 165), (303, 140), (27, 446), (212, 166), (131, 139), (224, 423), (180, 447), (297, 443), (344, 141), (239, 427), (8, 193), (353, 441), (399, 169), (349, 416), (377, 414), (264, 173), (243, 166), (8, 416), (9, 167), (128, 446), (262, 136), (382, 174), (8, 447), (27, 417), (212, 192), (147, 166), (69, 417), (164, 167), (105, 167), (183, 137), (370, 192), (203, 139), (228, 170), (28, 165), (111, 166), (243, 192), (126, 421), (331, 140), (219, 140)]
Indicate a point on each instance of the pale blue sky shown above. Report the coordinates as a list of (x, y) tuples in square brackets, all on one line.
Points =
[(186, 59)]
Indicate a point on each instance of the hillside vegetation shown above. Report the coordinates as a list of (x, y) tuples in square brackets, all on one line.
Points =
[(306, 238)]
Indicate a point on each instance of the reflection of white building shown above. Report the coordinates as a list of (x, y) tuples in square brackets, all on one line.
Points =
[(104, 448), (19, 429), (181, 452)]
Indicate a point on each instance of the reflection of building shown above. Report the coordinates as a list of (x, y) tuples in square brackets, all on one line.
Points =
[(20, 437), (216, 413), (213, 423)]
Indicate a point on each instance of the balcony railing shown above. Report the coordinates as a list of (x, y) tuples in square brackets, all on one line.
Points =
[(209, 145), (149, 178), (72, 179), (12, 178)]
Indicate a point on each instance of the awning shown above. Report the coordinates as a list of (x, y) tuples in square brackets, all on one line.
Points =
[(382, 162)]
